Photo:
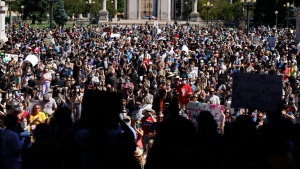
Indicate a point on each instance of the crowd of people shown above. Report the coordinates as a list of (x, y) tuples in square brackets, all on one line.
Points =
[(158, 70)]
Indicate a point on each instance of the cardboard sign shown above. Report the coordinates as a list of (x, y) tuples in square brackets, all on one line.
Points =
[(107, 29), (195, 108), (256, 91)]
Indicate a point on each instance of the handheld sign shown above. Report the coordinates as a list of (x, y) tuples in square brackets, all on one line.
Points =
[(271, 41), (195, 108), (256, 91)]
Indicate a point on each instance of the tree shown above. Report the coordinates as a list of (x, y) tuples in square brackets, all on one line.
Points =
[(75, 7), (120, 5), (35, 9), (110, 7), (60, 15)]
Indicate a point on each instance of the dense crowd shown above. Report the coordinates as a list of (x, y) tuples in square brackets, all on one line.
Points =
[(158, 70)]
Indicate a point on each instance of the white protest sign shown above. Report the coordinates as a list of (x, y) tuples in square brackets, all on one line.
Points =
[(155, 23), (15, 57), (158, 31), (195, 108), (7, 57), (271, 41), (32, 59), (117, 35), (256, 91)]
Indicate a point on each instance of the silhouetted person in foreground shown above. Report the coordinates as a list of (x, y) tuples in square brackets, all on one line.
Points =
[(173, 141)]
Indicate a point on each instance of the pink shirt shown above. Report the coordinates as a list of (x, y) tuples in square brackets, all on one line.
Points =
[(47, 76)]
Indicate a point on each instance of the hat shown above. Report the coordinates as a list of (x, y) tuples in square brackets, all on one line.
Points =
[(148, 110), (46, 96), (177, 77), (170, 74), (138, 103), (297, 81), (126, 118), (138, 152)]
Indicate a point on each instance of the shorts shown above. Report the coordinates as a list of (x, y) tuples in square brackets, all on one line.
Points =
[(145, 140), (18, 80)]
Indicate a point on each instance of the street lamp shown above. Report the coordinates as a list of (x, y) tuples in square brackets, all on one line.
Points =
[(207, 6), (90, 3), (51, 2), (22, 9), (276, 13), (248, 4), (288, 6), (9, 6)]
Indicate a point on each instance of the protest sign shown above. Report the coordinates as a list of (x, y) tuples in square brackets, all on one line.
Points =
[(7, 57), (117, 35), (107, 29), (32, 59), (15, 57), (271, 41), (155, 23), (256, 91), (195, 108)]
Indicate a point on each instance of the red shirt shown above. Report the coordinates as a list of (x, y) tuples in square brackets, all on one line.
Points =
[(139, 142), (25, 114), (184, 90), (146, 124)]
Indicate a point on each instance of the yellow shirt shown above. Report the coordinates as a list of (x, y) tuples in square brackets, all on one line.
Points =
[(40, 115)]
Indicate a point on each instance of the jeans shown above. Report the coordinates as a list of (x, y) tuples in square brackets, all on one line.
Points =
[(45, 87), (76, 111)]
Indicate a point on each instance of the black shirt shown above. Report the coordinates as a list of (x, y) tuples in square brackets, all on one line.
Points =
[(56, 82), (32, 83)]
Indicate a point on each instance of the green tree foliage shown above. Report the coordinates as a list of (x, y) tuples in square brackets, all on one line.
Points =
[(75, 7), (37, 10), (60, 15), (120, 5), (110, 7)]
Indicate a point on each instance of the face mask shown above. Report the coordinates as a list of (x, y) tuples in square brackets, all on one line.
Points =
[(211, 93), (21, 108), (137, 125), (57, 77), (73, 82), (77, 90), (126, 80), (184, 82), (124, 114), (46, 70), (24, 123), (155, 86)]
